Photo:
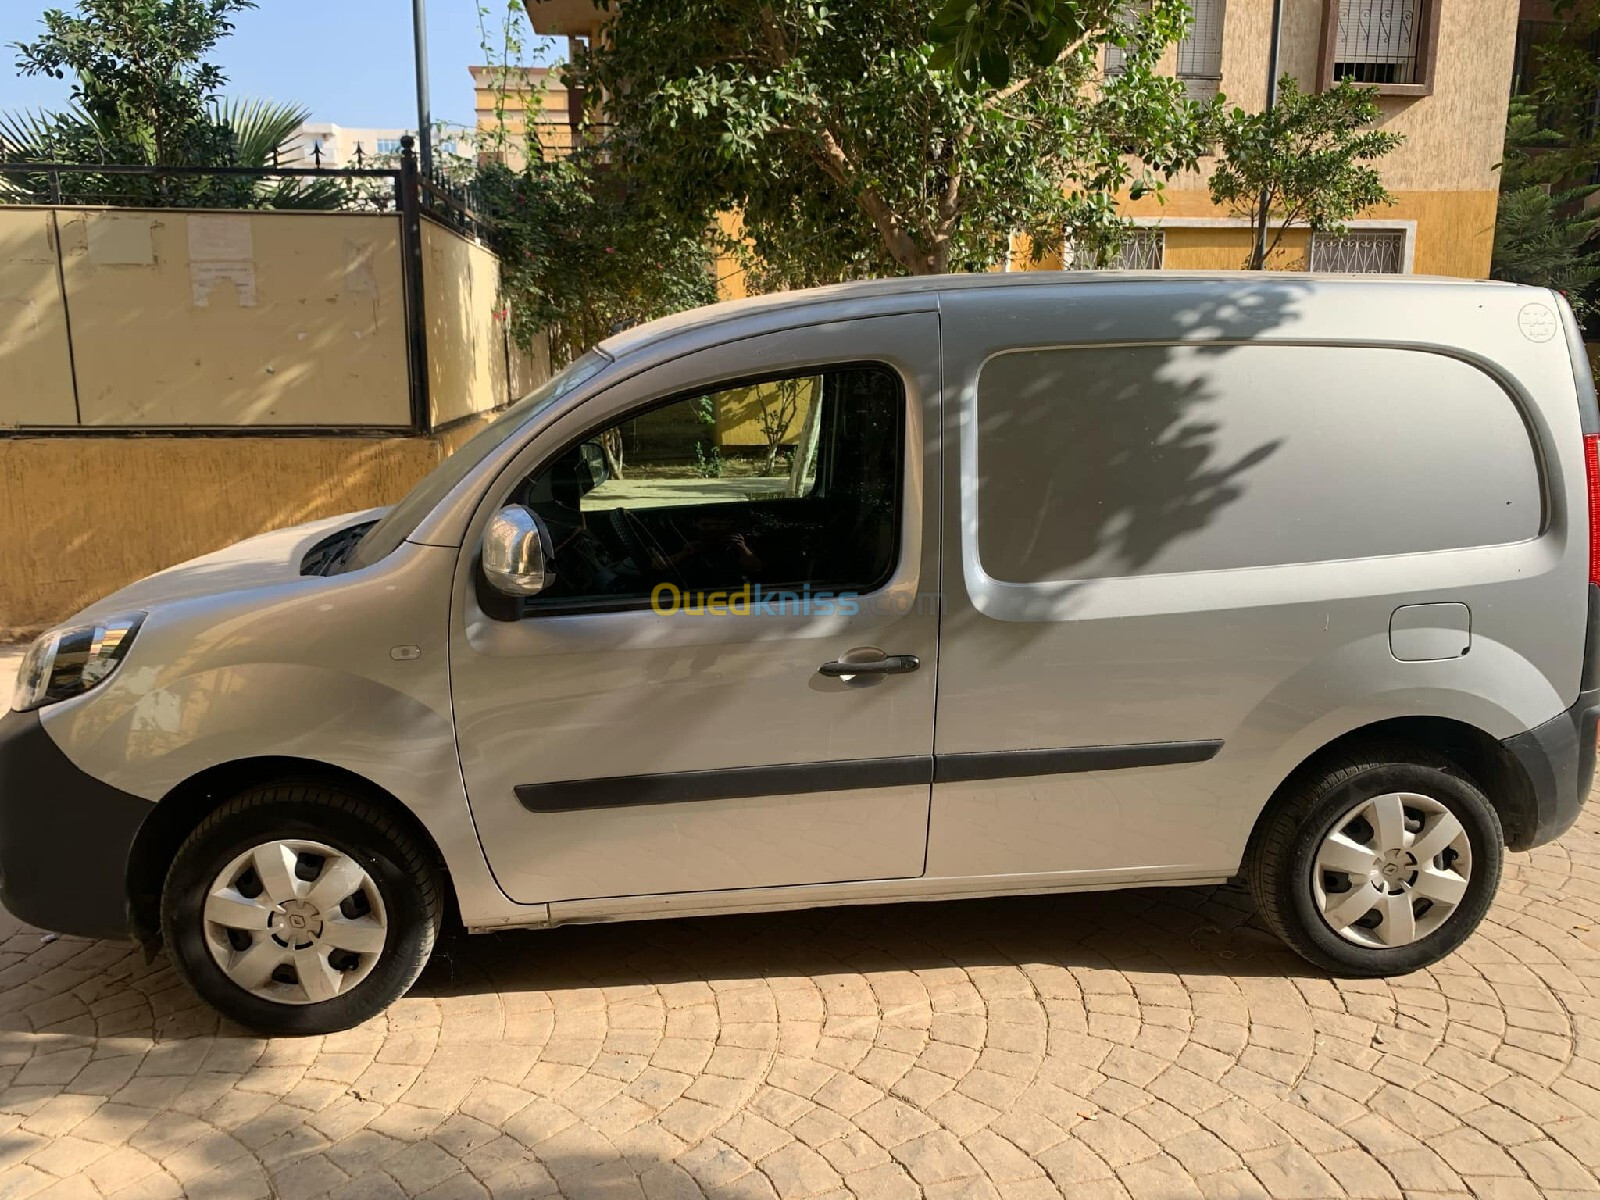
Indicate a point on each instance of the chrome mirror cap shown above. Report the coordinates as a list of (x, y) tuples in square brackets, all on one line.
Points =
[(517, 553)]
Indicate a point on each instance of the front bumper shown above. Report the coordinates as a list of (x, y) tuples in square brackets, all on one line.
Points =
[(65, 837), (1559, 758)]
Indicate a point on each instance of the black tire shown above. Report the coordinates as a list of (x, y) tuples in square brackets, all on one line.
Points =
[(397, 865), (1280, 861)]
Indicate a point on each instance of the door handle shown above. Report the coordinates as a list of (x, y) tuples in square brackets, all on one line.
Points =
[(867, 661)]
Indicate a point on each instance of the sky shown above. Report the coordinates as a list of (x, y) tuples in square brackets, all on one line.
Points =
[(349, 61)]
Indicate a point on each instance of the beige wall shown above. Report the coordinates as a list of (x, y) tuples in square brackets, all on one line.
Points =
[(184, 318), (467, 366), (254, 319), (33, 332), (473, 364), (323, 343)]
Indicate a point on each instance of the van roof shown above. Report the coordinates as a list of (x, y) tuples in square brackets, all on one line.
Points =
[(926, 288)]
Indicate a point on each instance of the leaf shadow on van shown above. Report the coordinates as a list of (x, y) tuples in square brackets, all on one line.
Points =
[(1096, 457)]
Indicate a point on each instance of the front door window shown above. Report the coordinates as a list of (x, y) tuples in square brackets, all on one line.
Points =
[(784, 485)]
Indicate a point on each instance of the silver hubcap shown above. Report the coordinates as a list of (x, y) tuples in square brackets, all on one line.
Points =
[(295, 922), (1391, 870)]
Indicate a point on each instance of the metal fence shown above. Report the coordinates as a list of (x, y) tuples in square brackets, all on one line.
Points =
[(401, 189), (372, 185)]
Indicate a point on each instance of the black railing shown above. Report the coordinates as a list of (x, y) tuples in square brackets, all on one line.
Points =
[(358, 189)]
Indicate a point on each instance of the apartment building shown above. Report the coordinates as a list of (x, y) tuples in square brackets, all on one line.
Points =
[(325, 144), (511, 101), (1443, 76)]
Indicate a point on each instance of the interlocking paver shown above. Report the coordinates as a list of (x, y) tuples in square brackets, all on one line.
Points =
[(1138, 1044)]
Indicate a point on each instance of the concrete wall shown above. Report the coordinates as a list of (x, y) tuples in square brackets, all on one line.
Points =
[(218, 318), (148, 318), (473, 366), (33, 330)]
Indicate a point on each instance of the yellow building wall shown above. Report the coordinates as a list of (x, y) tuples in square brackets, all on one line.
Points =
[(739, 414), (237, 318), (1454, 232), (504, 98), (83, 516), (33, 329), (1443, 175)]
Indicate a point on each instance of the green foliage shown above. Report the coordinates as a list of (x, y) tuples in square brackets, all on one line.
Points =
[(582, 254), (581, 258), (1542, 234), (979, 39), (1566, 76), (143, 95), (1305, 162), (851, 145), (142, 88)]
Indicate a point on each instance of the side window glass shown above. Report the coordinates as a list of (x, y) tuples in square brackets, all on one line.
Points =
[(787, 485)]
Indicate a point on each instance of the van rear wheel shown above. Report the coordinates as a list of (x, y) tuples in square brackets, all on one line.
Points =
[(1382, 862), (300, 909)]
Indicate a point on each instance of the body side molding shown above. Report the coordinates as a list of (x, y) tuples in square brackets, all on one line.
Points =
[(735, 783)]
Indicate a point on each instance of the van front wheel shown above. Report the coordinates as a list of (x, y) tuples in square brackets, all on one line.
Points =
[(300, 909), (1381, 863)]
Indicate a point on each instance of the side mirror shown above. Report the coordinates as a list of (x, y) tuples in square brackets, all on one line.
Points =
[(593, 458), (517, 553)]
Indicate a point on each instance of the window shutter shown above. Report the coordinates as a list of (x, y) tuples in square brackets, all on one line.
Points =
[(1200, 53)]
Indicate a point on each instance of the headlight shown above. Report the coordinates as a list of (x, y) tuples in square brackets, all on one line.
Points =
[(68, 662)]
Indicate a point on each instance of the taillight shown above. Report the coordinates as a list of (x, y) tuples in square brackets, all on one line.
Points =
[(1591, 463)]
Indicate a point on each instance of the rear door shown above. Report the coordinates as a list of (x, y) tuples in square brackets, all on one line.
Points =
[(659, 721)]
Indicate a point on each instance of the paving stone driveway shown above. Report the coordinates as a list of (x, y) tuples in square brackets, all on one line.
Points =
[(1146, 1044)]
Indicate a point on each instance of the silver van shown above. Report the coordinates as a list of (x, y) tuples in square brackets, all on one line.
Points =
[(905, 590)]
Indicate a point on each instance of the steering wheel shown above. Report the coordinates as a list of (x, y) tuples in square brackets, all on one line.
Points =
[(638, 541)]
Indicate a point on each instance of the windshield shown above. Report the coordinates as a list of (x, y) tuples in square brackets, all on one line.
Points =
[(402, 520)]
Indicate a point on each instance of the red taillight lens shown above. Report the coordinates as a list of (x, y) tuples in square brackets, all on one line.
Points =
[(1591, 464)]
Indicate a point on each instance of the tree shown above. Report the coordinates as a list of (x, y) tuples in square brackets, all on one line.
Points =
[(777, 406), (849, 144), (581, 257), (1304, 162), (141, 79), (981, 38), (143, 95), (1542, 234)]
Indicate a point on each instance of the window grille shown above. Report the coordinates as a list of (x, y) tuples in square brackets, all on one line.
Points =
[(1116, 56), (1378, 41), (1141, 250), (1364, 252), (1200, 52)]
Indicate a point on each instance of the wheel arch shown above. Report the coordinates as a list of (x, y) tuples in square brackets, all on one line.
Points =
[(177, 813), (1478, 755)]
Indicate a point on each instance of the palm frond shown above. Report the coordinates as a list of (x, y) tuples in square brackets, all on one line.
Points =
[(260, 128)]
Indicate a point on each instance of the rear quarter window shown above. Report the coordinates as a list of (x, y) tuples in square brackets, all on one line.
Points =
[(1098, 462)]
